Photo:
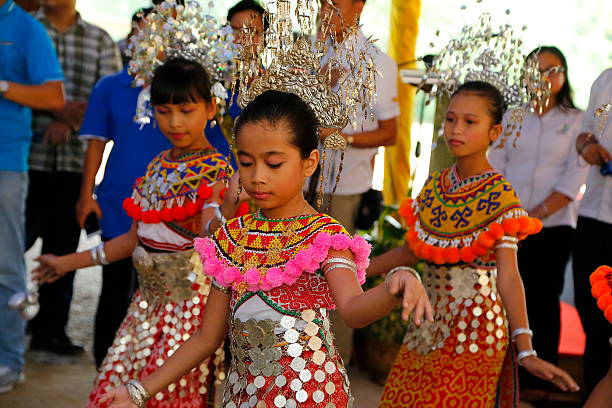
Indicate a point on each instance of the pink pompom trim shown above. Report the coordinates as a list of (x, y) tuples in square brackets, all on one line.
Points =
[(306, 261)]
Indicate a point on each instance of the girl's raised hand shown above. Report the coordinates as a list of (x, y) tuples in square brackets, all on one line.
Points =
[(413, 295), (50, 268), (117, 398), (550, 372)]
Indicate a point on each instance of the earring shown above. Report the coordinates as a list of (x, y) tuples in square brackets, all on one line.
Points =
[(238, 192)]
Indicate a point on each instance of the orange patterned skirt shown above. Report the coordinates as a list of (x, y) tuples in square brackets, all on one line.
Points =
[(446, 379)]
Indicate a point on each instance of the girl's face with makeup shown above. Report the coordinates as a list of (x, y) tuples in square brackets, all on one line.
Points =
[(271, 169)]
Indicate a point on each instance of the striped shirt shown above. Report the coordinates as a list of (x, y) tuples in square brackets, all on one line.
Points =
[(86, 54)]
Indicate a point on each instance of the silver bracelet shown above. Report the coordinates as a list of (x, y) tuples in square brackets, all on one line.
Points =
[(218, 213), (524, 354), (507, 245), (101, 254), (138, 393), (394, 271), (509, 238), (336, 266), (407, 269), (521, 330), (94, 255), (338, 260)]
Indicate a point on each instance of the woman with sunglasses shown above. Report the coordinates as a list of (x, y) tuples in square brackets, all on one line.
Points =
[(541, 163)]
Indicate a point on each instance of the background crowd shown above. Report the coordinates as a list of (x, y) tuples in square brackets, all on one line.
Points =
[(66, 92)]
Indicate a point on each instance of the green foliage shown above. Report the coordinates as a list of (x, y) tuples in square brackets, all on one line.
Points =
[(386, 234)]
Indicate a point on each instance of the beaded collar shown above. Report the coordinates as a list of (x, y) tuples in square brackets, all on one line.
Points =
[(175, 188), (250, 253), (455, 220)]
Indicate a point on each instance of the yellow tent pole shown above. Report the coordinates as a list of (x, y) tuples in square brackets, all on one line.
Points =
[(402, 48)]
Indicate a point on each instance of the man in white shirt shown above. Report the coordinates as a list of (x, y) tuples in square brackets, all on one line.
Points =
[(370, 134), (593, 244), (358, 166)]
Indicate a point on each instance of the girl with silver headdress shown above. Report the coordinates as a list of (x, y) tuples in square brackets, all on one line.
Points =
[(181, 196), (543, 168), (465, 226), (278, 272)]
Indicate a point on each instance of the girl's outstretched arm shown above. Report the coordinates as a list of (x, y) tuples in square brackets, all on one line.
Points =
[(510, 287), (200, 346), (358, 308), (383, 263), (52, 267)]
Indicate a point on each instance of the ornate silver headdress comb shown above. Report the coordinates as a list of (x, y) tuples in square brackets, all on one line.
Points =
[(174, 30), (482, 52), (290, 58)]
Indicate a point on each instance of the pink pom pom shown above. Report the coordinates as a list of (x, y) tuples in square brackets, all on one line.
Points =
[(361, 276), (292, 269), (341, 242), (231, 275), (205, 247), (252, 276), (361, 249), (318, 254), (274, 277), (301, 260), (323, 240)]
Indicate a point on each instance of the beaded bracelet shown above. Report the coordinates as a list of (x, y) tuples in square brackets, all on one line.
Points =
[(524, 354)]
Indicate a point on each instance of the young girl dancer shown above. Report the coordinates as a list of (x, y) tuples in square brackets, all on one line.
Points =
[(466, 224), (177, 199), (277, 274)]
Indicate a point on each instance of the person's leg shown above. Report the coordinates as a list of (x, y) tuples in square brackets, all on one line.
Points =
[(118, 285), (60, 233), (35, 201), (592, 248), (542, 261), (13, 190), (344, 210)]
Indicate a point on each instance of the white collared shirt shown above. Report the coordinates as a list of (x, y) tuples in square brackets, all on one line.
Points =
[(597, 201), (544, 160), (357, 172)]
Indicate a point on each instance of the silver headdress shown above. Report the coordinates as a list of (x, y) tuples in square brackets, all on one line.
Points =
[(173, 30), (337, 79), (482, 52)]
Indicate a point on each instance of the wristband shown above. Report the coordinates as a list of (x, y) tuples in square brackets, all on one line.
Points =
[(524, 354), (521, 330)]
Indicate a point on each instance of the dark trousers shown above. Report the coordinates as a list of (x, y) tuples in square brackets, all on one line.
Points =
[(542, 259), (51, 215), (592, 248), (118, 285)]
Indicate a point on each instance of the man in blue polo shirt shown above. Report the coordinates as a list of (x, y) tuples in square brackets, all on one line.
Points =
[(30, 77)]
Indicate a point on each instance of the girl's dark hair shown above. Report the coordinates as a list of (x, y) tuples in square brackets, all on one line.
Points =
[(564, 97), (297, 115), (497, 106), (179, 81)]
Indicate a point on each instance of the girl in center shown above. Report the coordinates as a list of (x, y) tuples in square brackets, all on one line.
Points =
[(277, 274)]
